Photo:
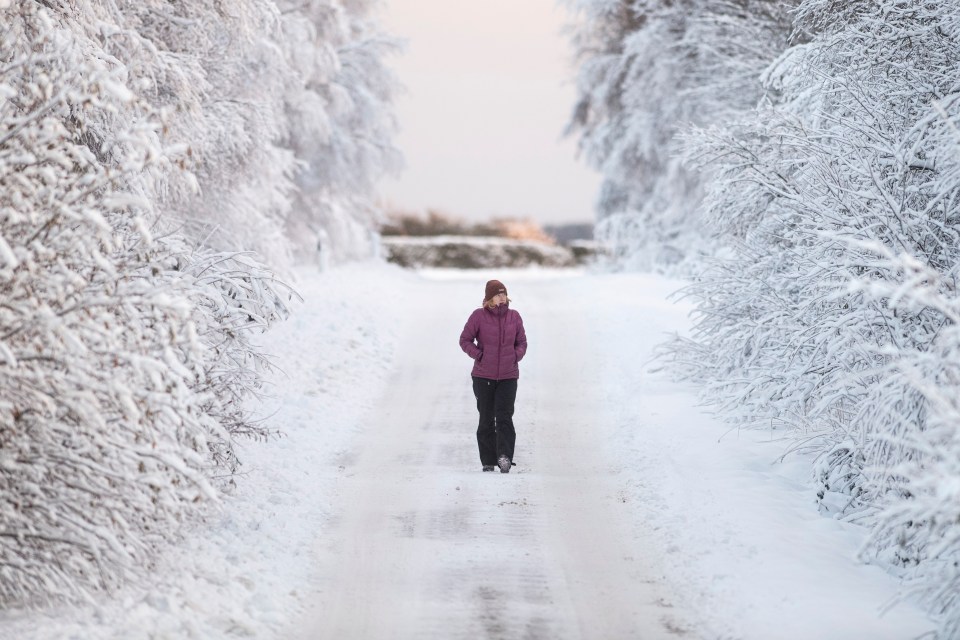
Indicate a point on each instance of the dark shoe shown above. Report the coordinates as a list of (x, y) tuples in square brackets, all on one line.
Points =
[(489, 467), (504, 464)]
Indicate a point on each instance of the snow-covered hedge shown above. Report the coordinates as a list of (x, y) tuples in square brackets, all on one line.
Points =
[(474, 252), (917, 523), (103, 442), (833, 314), (148, 168)]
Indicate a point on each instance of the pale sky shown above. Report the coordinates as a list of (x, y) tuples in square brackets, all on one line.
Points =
[(489, 88)]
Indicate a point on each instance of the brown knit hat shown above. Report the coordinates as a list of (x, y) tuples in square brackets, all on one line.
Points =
[(493, 288)]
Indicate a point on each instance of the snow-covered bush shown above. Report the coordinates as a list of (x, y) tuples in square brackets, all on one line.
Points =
[(834, 314), (648, 69), (917, 525), (147, 166), (103, 442), (126, 350), (234, 298)]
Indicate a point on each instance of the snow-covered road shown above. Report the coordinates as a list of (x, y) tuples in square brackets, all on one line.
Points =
[(426, 545), (630, 514)]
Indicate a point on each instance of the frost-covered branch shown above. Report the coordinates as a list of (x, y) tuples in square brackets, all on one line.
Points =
[(834, 315)]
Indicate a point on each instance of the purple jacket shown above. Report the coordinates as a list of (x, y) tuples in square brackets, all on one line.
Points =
[(495, 339)]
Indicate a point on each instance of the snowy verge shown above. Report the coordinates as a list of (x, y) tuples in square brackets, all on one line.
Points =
[(246, 572), (736, 523)]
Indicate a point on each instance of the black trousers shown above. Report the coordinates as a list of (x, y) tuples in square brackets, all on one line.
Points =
[(495, 433)]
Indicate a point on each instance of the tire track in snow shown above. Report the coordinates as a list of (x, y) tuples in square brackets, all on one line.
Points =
[(428, 546)]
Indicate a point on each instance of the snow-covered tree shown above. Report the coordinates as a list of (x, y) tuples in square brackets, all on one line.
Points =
[(649, 68), (102, 439), (284, 110), (148, 156), (834, 316), (125, 347), (341, 123), (216, 72)]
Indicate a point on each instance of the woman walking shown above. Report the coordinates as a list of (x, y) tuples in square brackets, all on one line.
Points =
[(495, 339)]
